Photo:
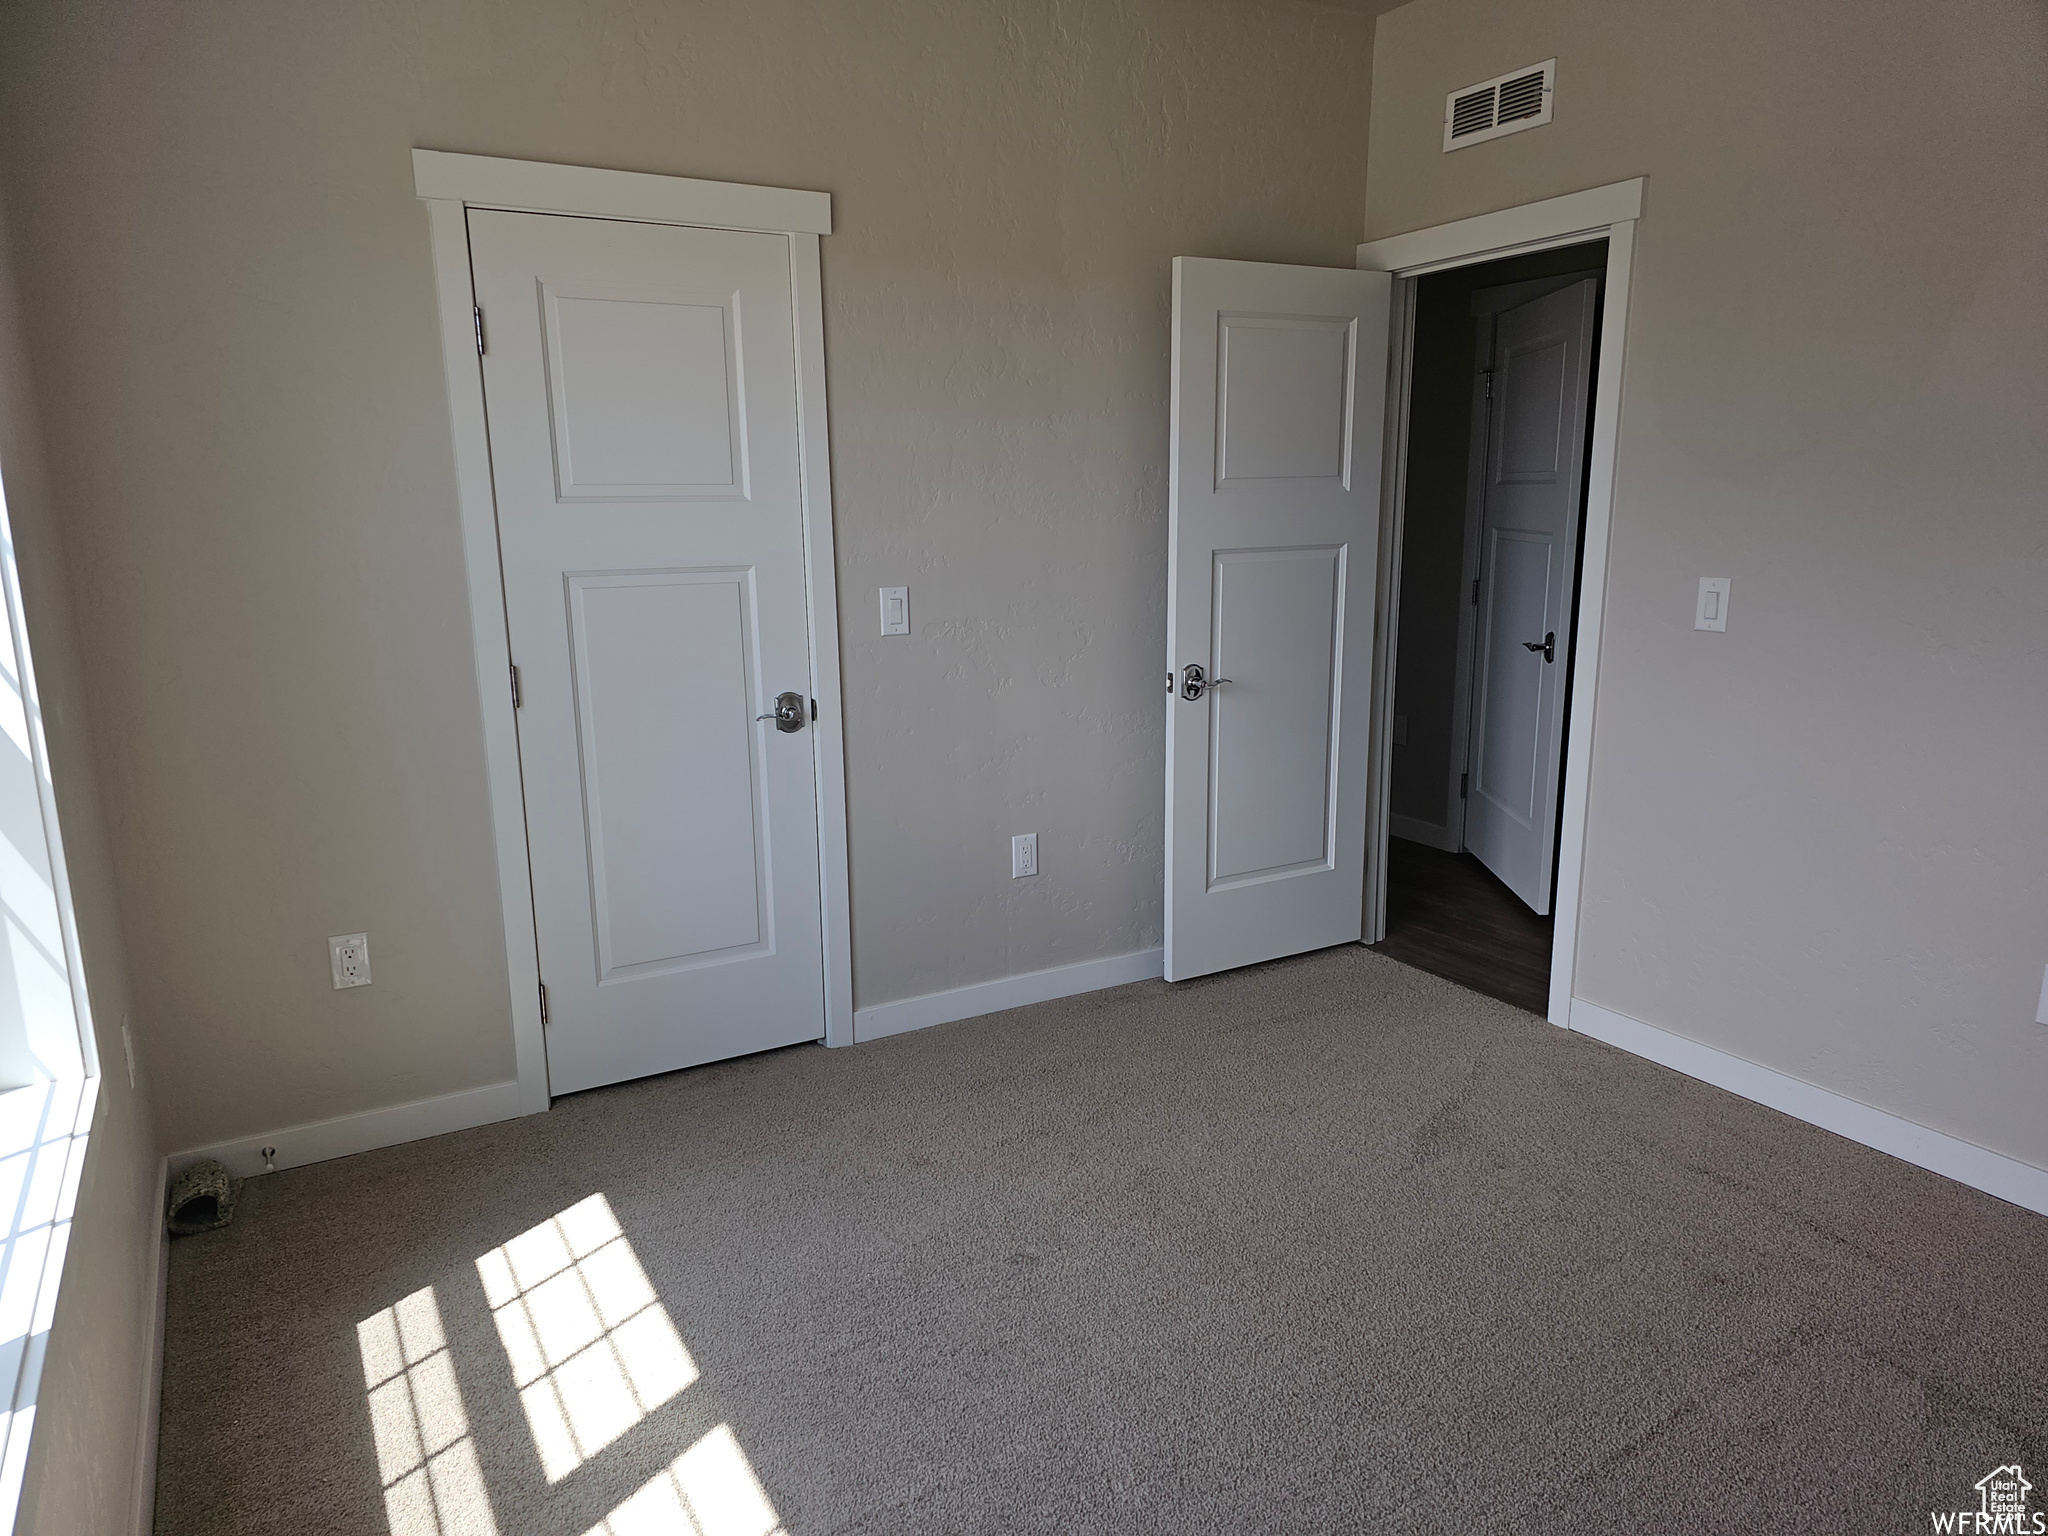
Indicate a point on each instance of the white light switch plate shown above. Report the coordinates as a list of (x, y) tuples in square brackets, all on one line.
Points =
[(2041, 1013), (1712, 612), (895, 610), (1023, 855), (349, 954)]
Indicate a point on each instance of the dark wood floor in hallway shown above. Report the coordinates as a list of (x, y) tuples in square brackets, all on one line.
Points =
[(1449, 915)]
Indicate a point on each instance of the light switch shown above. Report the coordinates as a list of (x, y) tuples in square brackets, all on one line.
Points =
[(895, 610), (1712, 612)]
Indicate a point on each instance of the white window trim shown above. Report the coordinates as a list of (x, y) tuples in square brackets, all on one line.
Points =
[(450, 185), (46, 1130), (45, 1124)]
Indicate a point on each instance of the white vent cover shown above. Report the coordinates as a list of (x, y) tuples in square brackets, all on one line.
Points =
[(1505, 104)]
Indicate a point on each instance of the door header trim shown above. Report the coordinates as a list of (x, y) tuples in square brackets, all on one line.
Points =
[(1532, 226), (538, 186)]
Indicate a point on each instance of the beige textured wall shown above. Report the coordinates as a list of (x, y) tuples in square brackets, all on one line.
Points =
[(233, 326), (83, 1453), (1817, 841)]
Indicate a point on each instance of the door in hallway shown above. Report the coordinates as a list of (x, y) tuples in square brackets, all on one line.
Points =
[(1279, 381), (1528, 568), (640, 388)]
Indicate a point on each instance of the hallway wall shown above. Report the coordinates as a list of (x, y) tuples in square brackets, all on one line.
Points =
[(1816, 841)]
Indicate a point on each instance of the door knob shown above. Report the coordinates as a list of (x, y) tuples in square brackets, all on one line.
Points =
[(1547, 645), (788, 713), (1195, 681)]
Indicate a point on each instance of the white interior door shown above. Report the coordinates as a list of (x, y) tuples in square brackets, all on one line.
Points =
[(1528, 563), (640, 388), (1279, 382)]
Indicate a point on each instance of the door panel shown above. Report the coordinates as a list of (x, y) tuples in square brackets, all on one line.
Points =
[(640, 387), (1534, 410), (1542, 374), (1278, 386), (645, 393), (662, 667), (1518, 577), (1283, 398), (1279, 630)]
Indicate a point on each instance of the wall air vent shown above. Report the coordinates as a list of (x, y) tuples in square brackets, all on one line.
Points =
[(1505, 104)]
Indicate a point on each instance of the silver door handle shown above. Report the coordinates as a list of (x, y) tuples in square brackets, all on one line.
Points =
[(788, 713), (1195, 681), (1547, 645)]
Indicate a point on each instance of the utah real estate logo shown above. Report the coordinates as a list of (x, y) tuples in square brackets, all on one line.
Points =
[(2002, 1508)]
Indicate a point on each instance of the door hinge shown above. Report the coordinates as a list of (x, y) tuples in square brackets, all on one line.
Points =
[(1464, 780), (543, 1002), (1489, 372), (477, 309), (517, 698), (1475, 591)]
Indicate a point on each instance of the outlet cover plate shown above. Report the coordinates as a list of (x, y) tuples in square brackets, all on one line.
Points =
[(349, 955), (1023, 855)]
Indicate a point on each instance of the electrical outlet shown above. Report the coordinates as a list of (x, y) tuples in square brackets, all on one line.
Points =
[(2041, 1013), (1023, 855), (349, 954)]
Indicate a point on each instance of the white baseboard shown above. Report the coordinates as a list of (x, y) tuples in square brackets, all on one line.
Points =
[(1430, 834), (1005, 992), (144, 1518), (1967, 1163), (365, 1132)]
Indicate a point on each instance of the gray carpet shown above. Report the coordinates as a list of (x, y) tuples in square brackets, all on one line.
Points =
[(1327, 1245)]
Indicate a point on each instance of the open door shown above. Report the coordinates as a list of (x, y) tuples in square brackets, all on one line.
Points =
[(1279, 384), (1528, 570)]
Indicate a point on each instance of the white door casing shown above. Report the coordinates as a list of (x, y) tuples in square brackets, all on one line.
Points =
[(1535, 476), (640, 390), (1608, 213), (1279, 379)]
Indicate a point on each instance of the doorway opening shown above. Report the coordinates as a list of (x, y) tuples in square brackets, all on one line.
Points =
[(1491, 541)]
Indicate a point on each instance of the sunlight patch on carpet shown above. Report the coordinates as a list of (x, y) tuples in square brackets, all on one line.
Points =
[(433, 1485), (709, 1490), (592, 1349)]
